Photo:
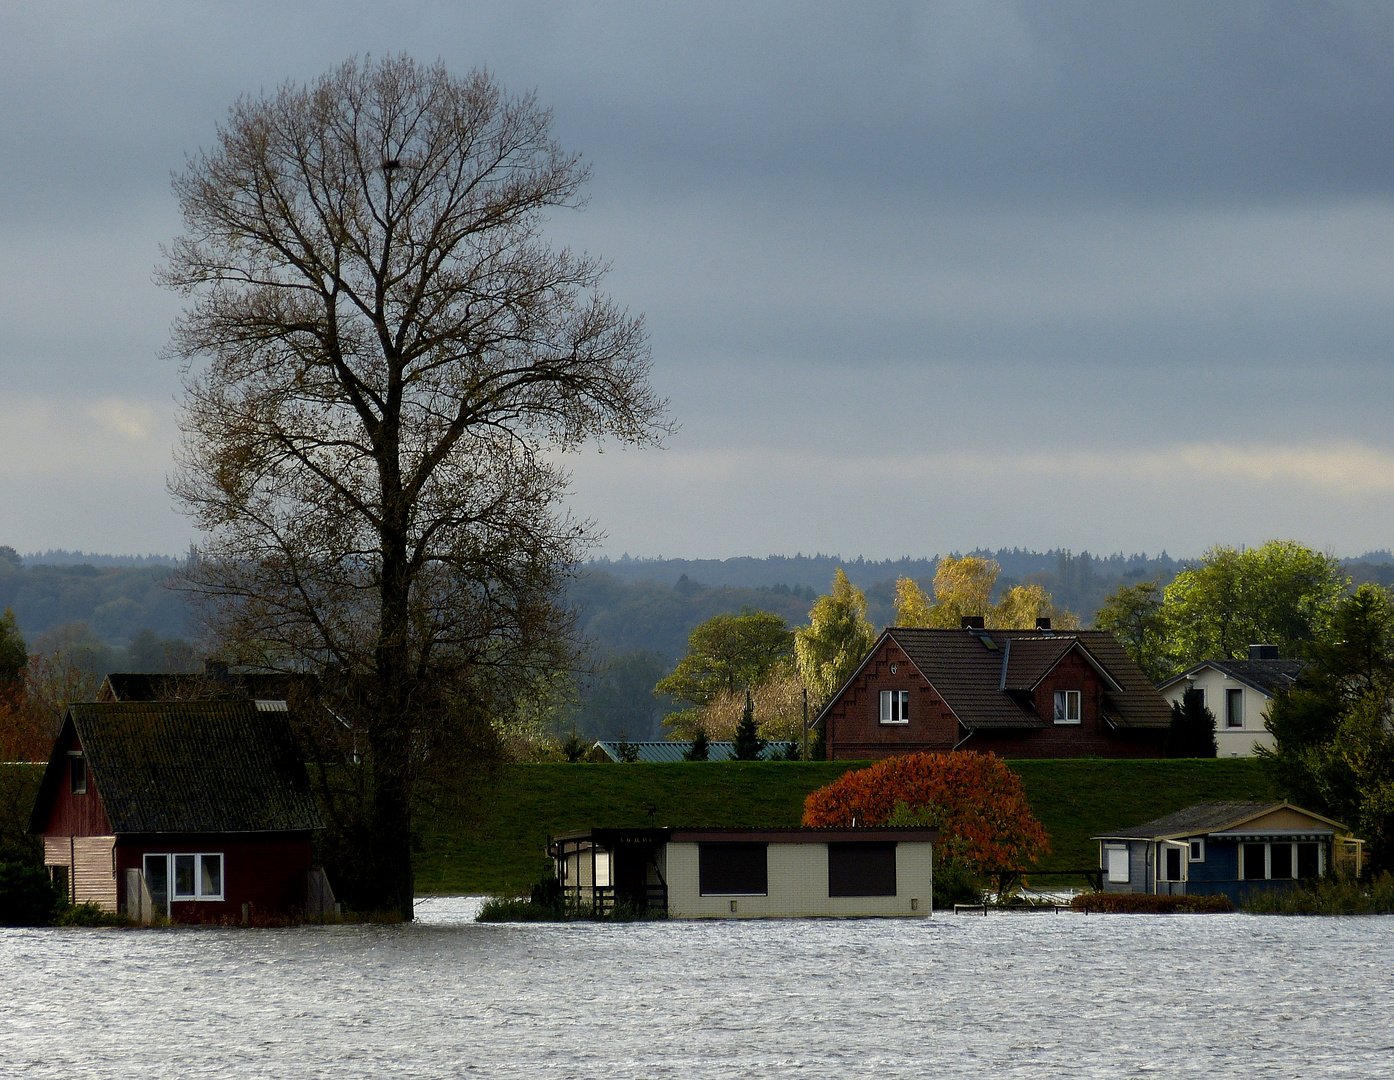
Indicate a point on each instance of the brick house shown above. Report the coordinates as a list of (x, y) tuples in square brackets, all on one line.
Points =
[(1015, 693), (198, 810)]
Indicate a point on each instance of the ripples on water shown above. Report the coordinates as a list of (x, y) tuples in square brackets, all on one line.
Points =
[(1005, 996)]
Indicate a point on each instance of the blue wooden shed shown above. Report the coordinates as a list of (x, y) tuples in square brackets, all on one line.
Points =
[(1234, 849)]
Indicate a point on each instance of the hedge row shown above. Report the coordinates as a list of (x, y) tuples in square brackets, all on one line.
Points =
[(1147, 904)]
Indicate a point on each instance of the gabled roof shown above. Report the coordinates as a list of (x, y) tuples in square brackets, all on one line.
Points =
[(188, 767), (984, 675), (1207, 818), (668, 750), (1265, 676)]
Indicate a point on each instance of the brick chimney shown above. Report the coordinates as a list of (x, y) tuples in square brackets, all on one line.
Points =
[(1042, 622)]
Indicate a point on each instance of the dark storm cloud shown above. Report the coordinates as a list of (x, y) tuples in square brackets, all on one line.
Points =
[(1136, 255)]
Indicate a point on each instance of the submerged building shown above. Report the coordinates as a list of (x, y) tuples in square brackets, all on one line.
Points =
[(1234, 849), (750, 873)]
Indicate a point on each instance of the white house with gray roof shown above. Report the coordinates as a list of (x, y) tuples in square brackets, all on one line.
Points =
[(1238, 692)]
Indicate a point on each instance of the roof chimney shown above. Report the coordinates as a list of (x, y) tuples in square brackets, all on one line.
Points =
[(1263, 652), (971, 622), (1042, 622)]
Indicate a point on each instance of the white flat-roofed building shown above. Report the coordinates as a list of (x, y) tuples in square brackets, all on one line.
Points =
[(751, 873)]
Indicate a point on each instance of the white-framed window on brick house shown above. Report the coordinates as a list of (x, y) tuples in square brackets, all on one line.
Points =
[(895, 706), (1067, 706)]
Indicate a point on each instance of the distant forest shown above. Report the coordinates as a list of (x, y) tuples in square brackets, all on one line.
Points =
[(634, 615)]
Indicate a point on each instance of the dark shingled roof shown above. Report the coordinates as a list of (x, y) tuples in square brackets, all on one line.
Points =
[(192, 767), (1265, 676), (1194, 820), (985, 686)]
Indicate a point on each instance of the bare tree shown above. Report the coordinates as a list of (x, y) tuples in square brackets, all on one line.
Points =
[(381, 359)]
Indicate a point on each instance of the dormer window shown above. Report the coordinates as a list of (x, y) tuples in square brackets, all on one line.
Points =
[(1067, 706), (77, 773)]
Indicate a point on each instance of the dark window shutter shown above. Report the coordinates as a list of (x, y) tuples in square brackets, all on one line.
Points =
[(861, 869), (732, 869)]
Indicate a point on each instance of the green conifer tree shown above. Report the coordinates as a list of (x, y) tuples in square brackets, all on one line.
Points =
[(700, 750), (748, 745), (1192, 731)]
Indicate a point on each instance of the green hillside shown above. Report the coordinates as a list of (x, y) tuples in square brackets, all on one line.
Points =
[(495, 845), (497, 848)]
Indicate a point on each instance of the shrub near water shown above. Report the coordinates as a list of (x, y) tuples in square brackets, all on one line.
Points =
[(1340, 896), (27, 896), (1147, 904)]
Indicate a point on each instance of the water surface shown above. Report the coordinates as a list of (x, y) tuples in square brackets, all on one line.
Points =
[(1003, 996)]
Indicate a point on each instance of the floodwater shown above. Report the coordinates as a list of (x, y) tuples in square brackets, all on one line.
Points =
[(956, 996)]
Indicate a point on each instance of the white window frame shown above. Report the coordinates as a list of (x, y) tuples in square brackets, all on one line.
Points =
[(1267, 861), (1233, 694), (1291, 845), (198, 894), (1066, 698), (75, 756), (1183, 861), (1121, 850), (1196, 844), (895, 706)]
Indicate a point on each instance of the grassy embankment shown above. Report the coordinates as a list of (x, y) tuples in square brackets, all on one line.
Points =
[(498, 848)]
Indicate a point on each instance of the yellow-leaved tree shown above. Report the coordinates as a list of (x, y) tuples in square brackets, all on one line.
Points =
[(836, 639), (963, 586)]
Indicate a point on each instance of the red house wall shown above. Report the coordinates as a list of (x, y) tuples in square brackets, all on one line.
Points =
[(267, 870), (854, 730), (1091, 737), (76, 815)]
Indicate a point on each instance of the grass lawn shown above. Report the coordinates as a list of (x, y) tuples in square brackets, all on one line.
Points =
[(1079, 798), (497, 846)]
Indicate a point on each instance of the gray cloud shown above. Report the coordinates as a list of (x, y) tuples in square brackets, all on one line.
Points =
[(918, 276)]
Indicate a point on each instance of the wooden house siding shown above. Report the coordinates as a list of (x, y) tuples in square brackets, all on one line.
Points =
[(74, 814), (267, 871), (90, 866)]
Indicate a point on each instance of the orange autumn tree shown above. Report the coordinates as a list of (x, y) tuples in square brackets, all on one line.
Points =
[(975, 800)]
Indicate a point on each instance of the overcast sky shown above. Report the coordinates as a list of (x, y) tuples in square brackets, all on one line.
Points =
[(917, 277)]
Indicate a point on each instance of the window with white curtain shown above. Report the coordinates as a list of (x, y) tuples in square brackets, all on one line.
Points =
[(895, 706)]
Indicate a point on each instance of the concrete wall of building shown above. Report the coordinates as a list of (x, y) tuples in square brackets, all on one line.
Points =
[(798, 886)]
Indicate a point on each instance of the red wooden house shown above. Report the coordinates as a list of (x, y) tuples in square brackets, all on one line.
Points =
[(201, 809), (1015, 693)]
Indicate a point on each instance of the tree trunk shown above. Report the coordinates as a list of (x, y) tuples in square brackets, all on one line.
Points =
[(392, 887)]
